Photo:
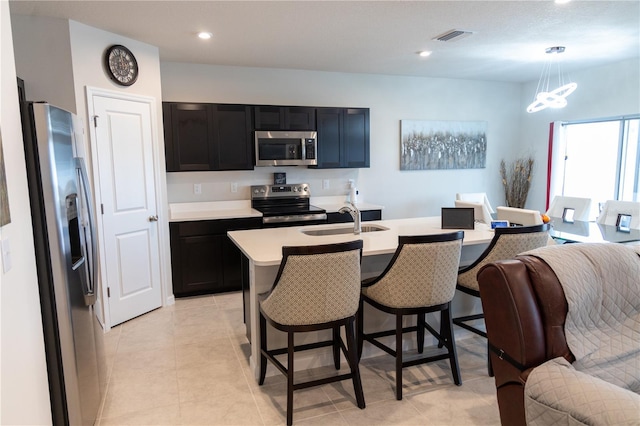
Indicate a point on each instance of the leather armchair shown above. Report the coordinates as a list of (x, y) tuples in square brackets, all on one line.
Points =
[(525, 310)]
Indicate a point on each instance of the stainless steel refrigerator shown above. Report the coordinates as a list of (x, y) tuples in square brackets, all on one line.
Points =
[(64, 235)]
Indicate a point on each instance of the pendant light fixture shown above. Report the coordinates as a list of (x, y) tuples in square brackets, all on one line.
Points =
[(546, 96)]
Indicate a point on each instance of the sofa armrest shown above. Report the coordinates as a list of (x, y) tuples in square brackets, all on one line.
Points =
[(512, 317), (556, 393), (552, 304), (514, 326)]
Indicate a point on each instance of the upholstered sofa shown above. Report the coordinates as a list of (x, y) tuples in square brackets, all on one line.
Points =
[(563, 325)]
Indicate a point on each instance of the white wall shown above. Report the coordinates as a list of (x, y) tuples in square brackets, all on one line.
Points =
[(607, 91), (24, 392), (390, 99), (44, 59), (88, 45)]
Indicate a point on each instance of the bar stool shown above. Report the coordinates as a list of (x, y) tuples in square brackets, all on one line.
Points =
[(506, 244), (316, 288), (420, 278)]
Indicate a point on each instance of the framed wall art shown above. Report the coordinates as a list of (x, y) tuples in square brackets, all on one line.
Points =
[(436, 145)]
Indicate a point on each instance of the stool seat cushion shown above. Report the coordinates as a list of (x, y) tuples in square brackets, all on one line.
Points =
[(423, 275), (316, 289)]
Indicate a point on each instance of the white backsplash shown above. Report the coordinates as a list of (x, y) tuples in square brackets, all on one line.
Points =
[(217, 186)]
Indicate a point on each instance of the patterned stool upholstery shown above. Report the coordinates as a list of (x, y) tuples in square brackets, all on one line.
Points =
[(420, 278), (317, 288), (506, 244)]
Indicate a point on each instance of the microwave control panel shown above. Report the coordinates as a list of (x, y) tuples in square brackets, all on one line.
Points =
[(310, 149)]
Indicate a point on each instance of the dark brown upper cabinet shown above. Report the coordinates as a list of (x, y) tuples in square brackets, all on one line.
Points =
[(343, 137), (232, 137), (201, 137), (284, 118)]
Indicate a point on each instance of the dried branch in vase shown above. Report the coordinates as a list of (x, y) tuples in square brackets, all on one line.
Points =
[(516, 179)]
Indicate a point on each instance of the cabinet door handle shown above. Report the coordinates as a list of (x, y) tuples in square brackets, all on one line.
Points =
[(153, 218)]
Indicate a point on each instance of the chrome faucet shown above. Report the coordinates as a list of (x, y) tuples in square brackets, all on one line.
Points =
[(355, 214)]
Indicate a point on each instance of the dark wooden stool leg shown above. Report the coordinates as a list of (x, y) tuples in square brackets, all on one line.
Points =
[(360, 328), (398, 357), (263, 348), (290, 351), (336, 347), (449, 341), (420, 332), (352, 358)]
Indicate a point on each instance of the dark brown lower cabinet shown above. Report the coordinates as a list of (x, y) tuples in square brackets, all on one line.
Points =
[(365, 215), (203, 259)]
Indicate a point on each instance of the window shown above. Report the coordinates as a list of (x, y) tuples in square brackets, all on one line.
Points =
[(597, 159)]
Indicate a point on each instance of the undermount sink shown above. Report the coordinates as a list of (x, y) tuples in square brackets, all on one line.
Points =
[(342, 230)]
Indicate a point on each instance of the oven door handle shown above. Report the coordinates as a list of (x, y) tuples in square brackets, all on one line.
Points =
[(294, 218)]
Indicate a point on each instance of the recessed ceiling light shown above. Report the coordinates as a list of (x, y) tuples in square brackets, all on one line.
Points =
[(562, 1), (205, 35), (424, 53)]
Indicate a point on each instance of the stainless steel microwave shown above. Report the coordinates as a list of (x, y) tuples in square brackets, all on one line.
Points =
[(284, 148)]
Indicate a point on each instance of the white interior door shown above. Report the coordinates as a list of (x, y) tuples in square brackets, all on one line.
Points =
[(127, 193)]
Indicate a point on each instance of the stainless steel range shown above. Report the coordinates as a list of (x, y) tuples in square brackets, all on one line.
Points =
[(286, 205)]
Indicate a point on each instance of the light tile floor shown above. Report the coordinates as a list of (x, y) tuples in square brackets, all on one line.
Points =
[(188, 365)]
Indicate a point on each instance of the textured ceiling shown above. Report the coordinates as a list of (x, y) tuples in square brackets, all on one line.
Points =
[(380, 37)]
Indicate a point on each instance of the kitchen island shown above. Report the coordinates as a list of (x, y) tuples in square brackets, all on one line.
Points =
[(263, 251)]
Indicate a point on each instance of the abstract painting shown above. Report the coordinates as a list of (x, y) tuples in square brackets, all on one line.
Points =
[(429, 145)]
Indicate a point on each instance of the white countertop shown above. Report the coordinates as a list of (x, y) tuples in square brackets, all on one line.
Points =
[(212, 210), (264, 246), (182, 212)]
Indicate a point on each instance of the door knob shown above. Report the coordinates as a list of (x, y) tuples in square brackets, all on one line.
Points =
[(153, 218)]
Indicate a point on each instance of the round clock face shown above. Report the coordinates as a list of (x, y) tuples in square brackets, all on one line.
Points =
[(121, 65)]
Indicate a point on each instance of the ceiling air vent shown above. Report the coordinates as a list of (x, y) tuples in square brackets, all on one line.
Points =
[(453, 35)]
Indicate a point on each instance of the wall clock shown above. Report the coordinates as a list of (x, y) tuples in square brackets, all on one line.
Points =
[(121, 65)]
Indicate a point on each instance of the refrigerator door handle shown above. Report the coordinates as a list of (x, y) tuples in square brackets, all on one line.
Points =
[(90, 296)]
